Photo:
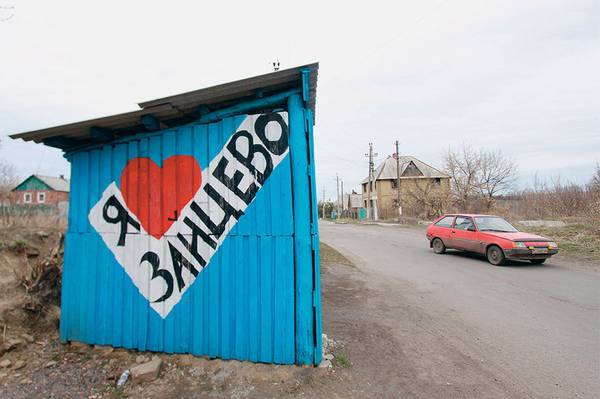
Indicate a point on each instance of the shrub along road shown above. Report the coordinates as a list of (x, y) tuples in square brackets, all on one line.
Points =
[(455, 326)]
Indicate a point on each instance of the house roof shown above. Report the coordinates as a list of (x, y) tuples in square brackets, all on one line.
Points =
[(55, 183), (176, 110), (387, 169)]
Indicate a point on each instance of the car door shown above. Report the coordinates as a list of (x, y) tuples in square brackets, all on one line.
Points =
[(463, 234), (442, 229)]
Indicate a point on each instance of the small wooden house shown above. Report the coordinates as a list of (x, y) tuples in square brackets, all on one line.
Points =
[(41, 190)]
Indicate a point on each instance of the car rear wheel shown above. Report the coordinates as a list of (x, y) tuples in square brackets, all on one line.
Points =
[(438, 246), (495, 255), (537, 261)]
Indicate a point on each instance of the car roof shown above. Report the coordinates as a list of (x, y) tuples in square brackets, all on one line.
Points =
[(470, 215)]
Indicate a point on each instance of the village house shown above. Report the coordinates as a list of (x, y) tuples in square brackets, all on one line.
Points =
[(420, 187), (351, 205), (41, 190)]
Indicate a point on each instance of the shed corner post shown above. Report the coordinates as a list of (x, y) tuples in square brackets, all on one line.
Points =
[(66, 281), (303, 259), (314, 227)]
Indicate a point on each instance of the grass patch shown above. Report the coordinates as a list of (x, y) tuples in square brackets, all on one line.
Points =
[(580, 240), (331, 255), (347, 221), (341, 360)]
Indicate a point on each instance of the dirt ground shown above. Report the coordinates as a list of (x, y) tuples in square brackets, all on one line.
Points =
[(34, 364), (368, 361)]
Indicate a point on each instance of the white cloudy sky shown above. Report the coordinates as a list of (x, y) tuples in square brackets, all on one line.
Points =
[(521, 76)]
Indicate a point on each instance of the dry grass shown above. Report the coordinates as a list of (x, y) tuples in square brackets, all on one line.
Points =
[(330, 255), (42, 279), (32, 219), (346, 221), (580, 240)]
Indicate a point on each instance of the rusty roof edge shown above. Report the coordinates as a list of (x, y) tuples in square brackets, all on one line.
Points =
[(164, 100), (91, 122)]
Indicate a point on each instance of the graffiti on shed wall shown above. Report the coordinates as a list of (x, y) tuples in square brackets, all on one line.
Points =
[(164, 223)]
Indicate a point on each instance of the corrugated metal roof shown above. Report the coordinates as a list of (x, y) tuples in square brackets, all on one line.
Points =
[(56, 183), (175, 110), (387, 169)]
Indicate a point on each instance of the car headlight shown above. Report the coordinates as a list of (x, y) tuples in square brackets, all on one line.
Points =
[(552, 245), (519, 244)]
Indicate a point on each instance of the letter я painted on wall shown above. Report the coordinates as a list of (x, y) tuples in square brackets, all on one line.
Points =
[(163, 239)]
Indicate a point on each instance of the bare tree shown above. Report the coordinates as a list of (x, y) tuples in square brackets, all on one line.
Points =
[(594, 184), (479, 175), (8, 176), (594, 191), (8, 180), (496, 175), (427, 199), (462, 166)]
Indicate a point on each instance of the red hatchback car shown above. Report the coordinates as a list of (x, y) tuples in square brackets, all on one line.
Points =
[(491, 236)]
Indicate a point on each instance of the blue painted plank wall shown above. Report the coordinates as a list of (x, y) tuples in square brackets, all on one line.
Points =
[(250, 303)]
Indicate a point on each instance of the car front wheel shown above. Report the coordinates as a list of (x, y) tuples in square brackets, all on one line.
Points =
[(438, 246), (495, 255)]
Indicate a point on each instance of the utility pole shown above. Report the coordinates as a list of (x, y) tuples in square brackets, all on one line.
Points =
[(323, 200), (398, 179), (337, 195), (342, 196), (370, 155)]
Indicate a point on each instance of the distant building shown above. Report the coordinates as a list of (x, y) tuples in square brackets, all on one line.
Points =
[(41, 190), (351, 204), (417, 181)]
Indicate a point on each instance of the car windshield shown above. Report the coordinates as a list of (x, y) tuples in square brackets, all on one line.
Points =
[(494, 224)]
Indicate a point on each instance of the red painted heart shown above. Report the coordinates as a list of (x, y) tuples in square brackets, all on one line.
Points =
[(156, 195)]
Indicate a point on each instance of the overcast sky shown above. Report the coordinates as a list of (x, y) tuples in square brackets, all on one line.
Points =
[(521, 76)]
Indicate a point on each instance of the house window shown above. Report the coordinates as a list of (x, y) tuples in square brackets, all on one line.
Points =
[(412, 170), (41, 198), (394, 183), (27, 198), (437, 181)]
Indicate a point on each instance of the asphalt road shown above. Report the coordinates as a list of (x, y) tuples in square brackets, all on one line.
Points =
[(537, 328)]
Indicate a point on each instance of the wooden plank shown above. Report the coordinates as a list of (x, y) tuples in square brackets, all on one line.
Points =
[(302, 243)]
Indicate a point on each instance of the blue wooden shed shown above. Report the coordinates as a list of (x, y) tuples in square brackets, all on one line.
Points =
[(193, 223)]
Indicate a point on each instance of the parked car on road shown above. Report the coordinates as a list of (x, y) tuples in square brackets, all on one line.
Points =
[(488, 235)]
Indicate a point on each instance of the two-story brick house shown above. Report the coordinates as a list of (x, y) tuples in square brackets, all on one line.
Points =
[(416, 178)]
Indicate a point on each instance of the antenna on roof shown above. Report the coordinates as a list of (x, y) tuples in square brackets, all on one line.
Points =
[(276, 65)]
